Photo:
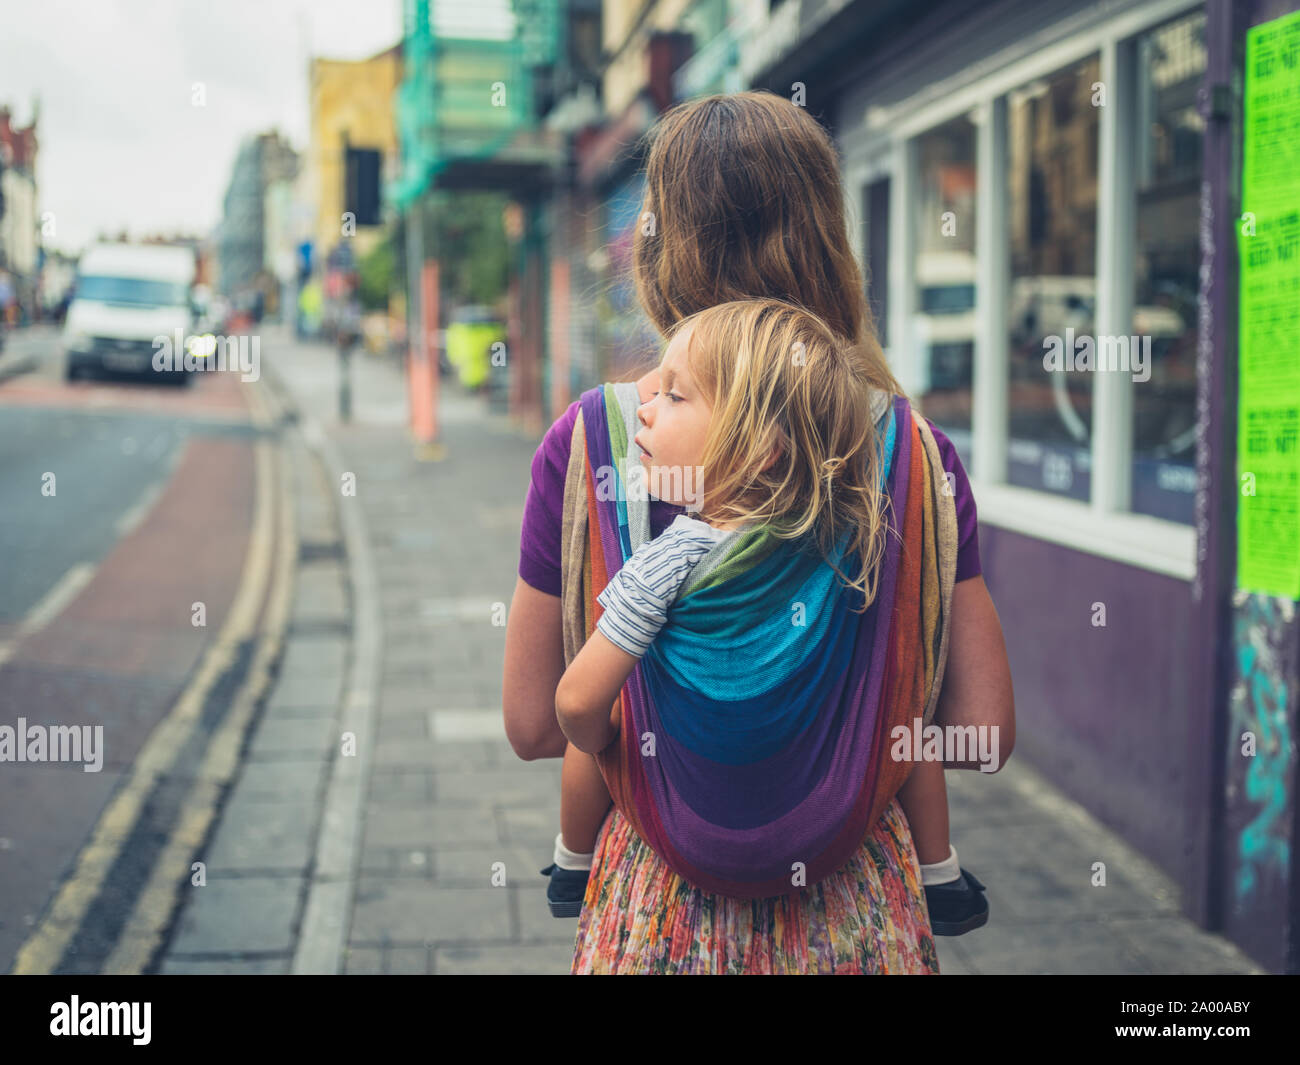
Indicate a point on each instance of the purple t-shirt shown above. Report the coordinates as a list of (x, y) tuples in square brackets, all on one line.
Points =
[(539, 541)]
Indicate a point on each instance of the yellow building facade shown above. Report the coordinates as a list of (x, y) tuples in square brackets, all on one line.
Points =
[(352, 103), (627, 26)]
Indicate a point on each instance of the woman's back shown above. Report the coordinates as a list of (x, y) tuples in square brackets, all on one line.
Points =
[(624, 925), (735, 184)]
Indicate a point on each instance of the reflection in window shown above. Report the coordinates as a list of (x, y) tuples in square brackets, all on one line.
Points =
[(1052, 129), (1171, 64), (944, 275)]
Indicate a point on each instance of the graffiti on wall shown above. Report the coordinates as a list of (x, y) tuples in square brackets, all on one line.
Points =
[(1258, 704)]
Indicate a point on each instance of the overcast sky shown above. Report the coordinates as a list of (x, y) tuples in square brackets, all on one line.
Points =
[(121, 144)]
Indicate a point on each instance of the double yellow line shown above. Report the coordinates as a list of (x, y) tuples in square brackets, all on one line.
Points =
[(269, 561)]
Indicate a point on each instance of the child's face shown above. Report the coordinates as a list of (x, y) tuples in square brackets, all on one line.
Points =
[(676, 423)]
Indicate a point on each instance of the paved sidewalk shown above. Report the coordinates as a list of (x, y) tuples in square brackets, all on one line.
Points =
[(22, 347), (441, 798), (260, 854)]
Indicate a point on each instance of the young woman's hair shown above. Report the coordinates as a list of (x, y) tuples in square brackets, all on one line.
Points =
[(791, 442), (744, 199)]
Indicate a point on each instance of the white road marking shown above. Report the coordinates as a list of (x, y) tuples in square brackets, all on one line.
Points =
[(129, 521), (49, 607), (157, 446)]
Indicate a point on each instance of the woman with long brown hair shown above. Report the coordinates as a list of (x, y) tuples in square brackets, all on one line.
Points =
[(743, 201)]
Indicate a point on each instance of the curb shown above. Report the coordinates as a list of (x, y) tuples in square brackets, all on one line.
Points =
[(322, 934)]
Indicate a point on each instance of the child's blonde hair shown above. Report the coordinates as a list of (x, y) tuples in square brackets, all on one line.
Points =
[(782, 385)]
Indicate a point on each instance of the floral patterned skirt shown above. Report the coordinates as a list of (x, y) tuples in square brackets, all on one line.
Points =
[(868, 917)]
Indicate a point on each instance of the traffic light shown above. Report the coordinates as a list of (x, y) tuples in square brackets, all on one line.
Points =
[(362, 185)]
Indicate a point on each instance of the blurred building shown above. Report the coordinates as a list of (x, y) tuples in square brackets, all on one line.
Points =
[(476, 79), (353, 147), (20, 256), (282, 232), (58, 271), (263, 161), (568, 161), (239, 239), (651, 57)]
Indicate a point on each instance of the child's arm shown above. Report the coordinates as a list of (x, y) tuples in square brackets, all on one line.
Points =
[(635, 607), (587, 691)]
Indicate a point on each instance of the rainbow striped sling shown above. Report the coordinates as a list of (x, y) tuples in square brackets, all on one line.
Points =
[(753, 755)]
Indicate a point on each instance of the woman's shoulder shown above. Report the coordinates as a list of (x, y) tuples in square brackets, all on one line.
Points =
[(947, 450), (559, 437), (562, 427), (539, 538), (968, 560), (558, 441)]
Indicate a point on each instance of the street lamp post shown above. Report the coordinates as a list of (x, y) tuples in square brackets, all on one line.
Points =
[(348, 320)]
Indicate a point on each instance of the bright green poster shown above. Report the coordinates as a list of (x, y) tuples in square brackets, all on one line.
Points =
[(1268, 434)]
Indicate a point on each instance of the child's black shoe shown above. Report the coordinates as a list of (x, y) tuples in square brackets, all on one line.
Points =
[(566, 890), (957, 907)]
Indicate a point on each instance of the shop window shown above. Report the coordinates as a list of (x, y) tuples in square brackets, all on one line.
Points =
[(944, 274), (1052, 129), (1169, 135)]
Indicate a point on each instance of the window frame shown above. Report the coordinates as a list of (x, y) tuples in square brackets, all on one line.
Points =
[(1105, 526)]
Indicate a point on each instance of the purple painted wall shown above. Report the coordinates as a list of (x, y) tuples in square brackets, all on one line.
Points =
[(1102, 711)]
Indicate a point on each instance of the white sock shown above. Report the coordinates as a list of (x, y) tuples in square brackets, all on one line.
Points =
[(567, 859), (944, 872)]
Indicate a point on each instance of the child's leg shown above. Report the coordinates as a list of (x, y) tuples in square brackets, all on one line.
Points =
[(951, 894), (924, 799), (584, 802)]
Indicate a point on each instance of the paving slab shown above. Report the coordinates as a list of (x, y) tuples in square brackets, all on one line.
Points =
[(269, 834), (239, 915), (391, 910)]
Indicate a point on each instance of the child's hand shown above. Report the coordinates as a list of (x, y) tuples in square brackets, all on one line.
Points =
[(637, 598)]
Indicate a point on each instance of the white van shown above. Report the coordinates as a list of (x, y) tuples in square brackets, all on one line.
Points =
[(124, 298)]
